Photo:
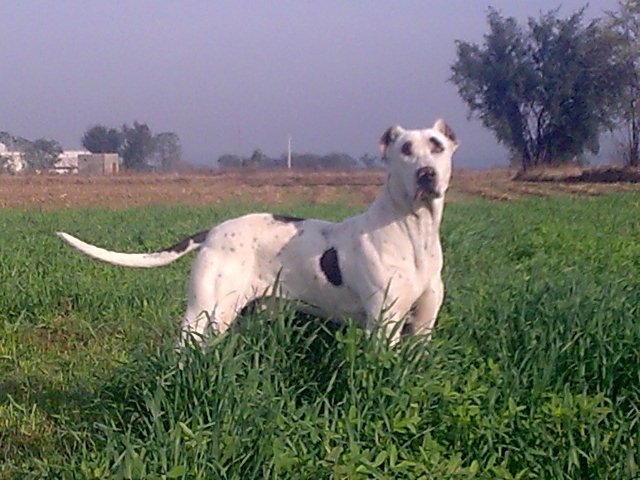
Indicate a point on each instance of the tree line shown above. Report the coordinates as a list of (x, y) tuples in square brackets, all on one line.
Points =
[(139, 148), (337, 161), (142, 150), (548, 89), (38, 154)]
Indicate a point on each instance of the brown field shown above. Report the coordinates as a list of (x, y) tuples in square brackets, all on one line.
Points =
[(49, 192)]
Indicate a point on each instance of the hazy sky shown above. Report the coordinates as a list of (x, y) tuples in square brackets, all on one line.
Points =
[(231, 76)]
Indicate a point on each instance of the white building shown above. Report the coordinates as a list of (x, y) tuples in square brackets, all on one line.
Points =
[(68, 161), (10, 161)]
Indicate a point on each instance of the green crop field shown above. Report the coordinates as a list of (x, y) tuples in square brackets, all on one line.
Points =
[(533, 371)]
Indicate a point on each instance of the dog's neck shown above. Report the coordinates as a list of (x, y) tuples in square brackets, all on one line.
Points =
[(428, 213), (422, 225)]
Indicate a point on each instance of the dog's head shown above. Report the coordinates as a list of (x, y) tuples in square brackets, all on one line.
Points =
[(419, 162)]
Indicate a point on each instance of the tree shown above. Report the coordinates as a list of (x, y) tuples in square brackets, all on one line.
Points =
[(306, 160), (167, 149), (255, 160), (229, 161), (100, 139), (546, 91), (624, 30), (338, 161), (14, 143), (137, 146), (42, 154), (369, 161)]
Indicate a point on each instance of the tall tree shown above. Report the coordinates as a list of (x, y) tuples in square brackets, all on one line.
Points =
[(100, 139), (230, 161), (369, 161), (546, 90), (138, 145), (255, 160), (624, 29), (167, 150)]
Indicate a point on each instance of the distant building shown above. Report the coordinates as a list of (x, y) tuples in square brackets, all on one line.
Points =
[(68, 161), (11, 161), (98, 163)]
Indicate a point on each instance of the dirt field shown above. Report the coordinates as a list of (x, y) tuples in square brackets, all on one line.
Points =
[(49, 192)]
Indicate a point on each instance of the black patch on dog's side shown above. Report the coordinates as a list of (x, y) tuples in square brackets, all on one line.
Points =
[(407, 149), (287, 219), (330, 267), (182, 245)]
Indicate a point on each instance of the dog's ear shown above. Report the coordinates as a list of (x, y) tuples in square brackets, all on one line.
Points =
[(442, 127), (388, 137)]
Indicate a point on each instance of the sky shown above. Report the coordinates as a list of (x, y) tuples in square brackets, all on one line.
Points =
[(233, 76)]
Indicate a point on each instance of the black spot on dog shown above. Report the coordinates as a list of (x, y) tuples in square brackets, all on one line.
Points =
[(330, 267), (183, 244), (407, 149), (200, 237), (287, 219)]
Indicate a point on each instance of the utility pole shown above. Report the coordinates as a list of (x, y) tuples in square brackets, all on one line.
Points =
[(289, 154)]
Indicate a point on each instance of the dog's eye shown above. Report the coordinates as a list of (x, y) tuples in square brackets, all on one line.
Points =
[(407, 149), (436, 145)]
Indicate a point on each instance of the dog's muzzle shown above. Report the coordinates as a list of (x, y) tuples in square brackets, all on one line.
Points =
[(426, 184)]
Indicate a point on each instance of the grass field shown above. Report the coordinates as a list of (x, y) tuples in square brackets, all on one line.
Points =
[(533, 372)]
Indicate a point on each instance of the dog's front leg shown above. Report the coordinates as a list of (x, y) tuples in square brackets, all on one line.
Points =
[(386, 313), (426, 311)]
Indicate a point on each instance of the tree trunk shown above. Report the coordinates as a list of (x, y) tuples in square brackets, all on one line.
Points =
[(634, 144)]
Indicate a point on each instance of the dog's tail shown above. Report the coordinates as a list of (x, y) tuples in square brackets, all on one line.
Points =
[(138, 260)]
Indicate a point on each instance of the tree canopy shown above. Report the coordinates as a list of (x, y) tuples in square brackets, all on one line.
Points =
[(139, 148), (137, 145), (42, 153), (624, 31), (101, 139), (167, 150), (546, 90)]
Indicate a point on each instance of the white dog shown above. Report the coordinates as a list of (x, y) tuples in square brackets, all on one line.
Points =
[(384, 264)]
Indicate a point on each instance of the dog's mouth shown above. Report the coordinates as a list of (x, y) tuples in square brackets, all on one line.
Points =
[(426, 195), (426, 189)]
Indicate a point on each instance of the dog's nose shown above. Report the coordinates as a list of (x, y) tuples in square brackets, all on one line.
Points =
[(426, 176)]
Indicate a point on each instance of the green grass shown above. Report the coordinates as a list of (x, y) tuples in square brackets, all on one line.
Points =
[(533, 372)]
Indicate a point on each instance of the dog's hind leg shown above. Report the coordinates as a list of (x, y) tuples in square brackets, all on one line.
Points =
[(218, 291), (202, 320)]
